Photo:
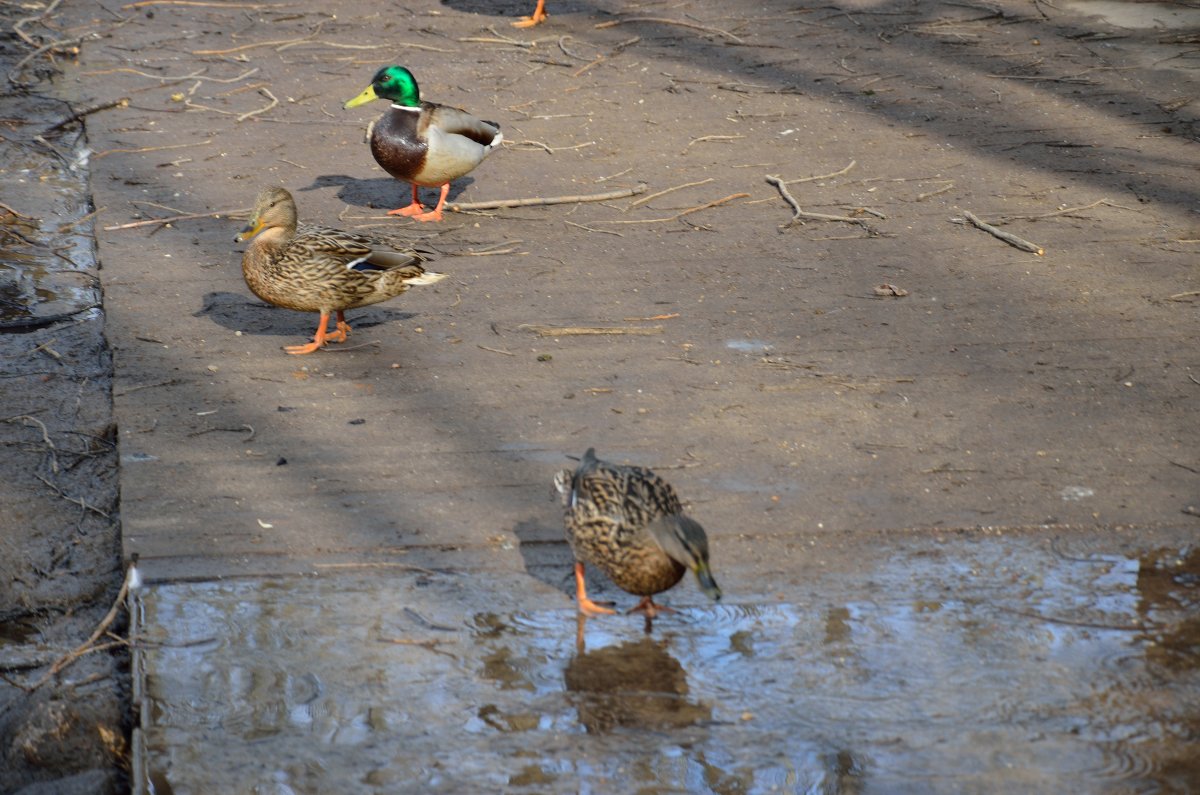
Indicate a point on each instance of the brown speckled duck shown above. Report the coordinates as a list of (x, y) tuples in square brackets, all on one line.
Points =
[(313, 268), (422, 142), (629, 523)]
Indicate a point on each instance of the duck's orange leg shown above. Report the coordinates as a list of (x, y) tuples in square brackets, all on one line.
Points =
[(318, 339), (587, 606), (651, 610), (342, 331), (413, 209), (539, 16), (436, 213)]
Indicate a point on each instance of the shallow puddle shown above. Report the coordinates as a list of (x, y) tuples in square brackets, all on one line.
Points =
[(979, 666)]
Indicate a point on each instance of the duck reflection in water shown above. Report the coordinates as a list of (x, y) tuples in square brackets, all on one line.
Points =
[(630, 685)]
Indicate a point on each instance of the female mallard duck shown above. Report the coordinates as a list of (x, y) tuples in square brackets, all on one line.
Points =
[(629, 523), (422, 142), (317, 269)]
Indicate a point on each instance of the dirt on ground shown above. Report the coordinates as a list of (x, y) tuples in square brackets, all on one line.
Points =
[(64, 697), (841, 350)]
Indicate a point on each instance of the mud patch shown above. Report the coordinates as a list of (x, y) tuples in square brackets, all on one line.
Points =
[(63, 702)]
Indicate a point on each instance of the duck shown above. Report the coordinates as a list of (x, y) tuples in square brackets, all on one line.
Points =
[(311, 268), (423, 143), (629, 523), (539, 16)]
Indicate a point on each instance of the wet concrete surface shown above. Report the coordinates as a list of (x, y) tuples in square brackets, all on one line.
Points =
[(986, 665)]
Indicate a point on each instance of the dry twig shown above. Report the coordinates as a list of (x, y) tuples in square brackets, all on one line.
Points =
[(830, 175), (88, 645), (653, 196), (1054, 214), (582, 331), (82, 503), (682, 213), (665, 21), (174, 218), (75, 116), (799, 215), (218, 3), (1007, 237), (543, 201), (947, 187), (45, 434), (266, 93), (13, 212)]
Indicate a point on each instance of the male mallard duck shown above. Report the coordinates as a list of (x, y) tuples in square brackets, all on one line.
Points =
[(317, 269), (629, 523), (539, 16), (422, 142)]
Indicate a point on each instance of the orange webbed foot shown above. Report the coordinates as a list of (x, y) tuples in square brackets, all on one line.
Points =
[(414, 209), (340, 333), (590, 608), (300, 350), (432, 215), (318, 338), (586, 605), (539, 16)]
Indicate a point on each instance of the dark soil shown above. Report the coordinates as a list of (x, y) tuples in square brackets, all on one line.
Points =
[(64, 703)]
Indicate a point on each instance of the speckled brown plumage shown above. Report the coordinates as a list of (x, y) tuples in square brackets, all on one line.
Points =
[(629, 523), (313, 268)]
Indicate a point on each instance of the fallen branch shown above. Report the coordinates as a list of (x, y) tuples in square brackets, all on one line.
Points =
[(65, 46), (266, 93), (801, 215), (654, 196), (78, 115), (548, 200), (704, 138), (13, 212), (239, 429), (947, 187), (142, 149), (667, 316), (45, 433), (273, 43), (87, 646), (25, 37), (1067, 211), (688, 211), (196, 75), (853, 163), (587, 228), (1008, 238), (173, 218), (551, 149), (665, 21), (583, 331), (220, 3), (82, 503)]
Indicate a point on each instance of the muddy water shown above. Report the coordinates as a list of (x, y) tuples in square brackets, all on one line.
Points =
[(47, 261), (984, 666)]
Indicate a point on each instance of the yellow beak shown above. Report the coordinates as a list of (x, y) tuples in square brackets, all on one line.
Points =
[(366, 96), (251, 229)]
